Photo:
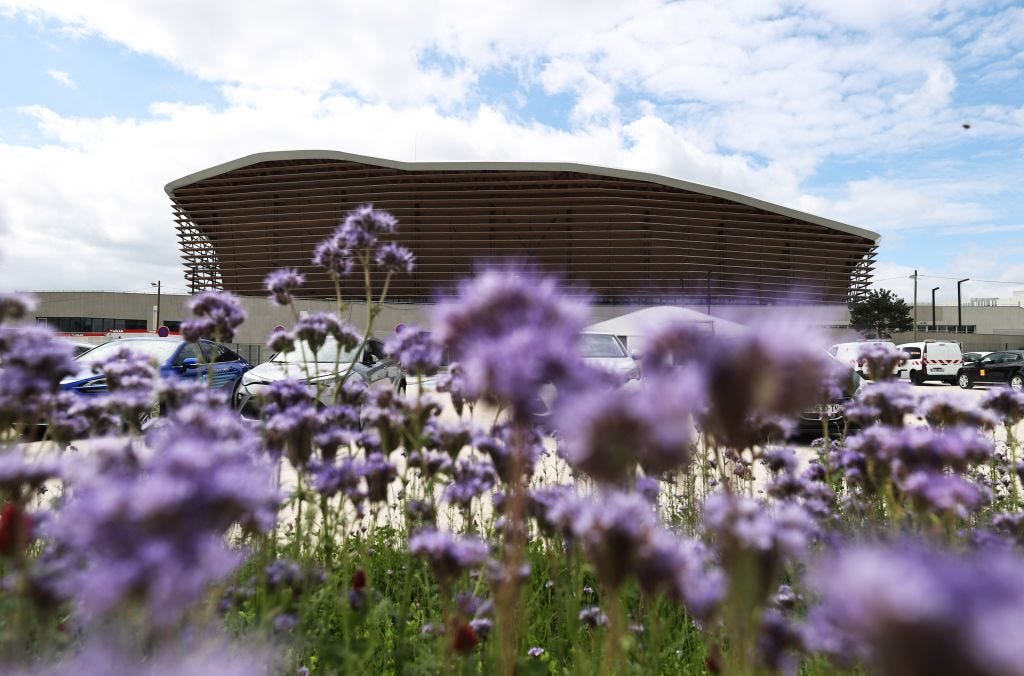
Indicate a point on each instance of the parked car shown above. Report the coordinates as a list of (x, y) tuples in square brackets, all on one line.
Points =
[(848, 354), (175, 357), (995, 367), (973, 356), (607, 352), (932, 360), (332, 362), (809, 421)]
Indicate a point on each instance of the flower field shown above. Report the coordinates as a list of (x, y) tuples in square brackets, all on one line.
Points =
[(530, 515)]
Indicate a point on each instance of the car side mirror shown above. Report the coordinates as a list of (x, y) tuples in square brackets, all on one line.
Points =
[(189, 363)]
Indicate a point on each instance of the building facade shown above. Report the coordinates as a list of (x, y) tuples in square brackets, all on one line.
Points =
[(626, 238)]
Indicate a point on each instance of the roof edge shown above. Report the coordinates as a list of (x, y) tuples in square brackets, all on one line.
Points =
[(711, 191)]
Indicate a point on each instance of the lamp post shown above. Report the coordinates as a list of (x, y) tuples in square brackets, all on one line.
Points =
[(914, 277), (157, 285), (959, 307), (933, 306)]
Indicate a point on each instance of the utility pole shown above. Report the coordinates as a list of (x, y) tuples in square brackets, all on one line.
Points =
[(959, 306), (933, 306), (914, 277), (157, 285)]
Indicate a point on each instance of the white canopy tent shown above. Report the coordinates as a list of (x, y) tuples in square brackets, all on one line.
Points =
[(633, 328)]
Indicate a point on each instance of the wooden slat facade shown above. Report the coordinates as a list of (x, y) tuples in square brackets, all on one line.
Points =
[(623, 240)]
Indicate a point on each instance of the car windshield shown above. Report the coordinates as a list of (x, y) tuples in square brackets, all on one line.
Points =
[(330, 353), (160, 350), (600, 345)]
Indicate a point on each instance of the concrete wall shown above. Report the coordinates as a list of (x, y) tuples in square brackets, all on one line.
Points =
[(1000, 319)]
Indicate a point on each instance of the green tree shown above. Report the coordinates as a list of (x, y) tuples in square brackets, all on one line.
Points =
[(881, 311)]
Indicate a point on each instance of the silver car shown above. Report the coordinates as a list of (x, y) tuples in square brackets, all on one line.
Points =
[(606, 352), (327, 367)]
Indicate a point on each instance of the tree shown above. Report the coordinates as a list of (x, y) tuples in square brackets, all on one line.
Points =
[(881, 311)]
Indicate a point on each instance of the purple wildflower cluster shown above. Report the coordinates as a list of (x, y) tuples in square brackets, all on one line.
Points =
[(415, 350), (217, 314), (880, 360), (512, 332)]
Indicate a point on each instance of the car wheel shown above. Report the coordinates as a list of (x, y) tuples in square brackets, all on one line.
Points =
[(917, 377), (964, 381), (1017, 382)]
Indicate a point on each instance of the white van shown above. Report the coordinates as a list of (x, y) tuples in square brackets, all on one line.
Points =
[(848, 354), (931, 360)]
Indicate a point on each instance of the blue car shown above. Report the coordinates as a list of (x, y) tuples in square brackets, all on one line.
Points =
[(177, 359)]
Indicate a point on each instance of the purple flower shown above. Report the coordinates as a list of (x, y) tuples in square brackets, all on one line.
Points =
[(18, 473), (536, 652), (607, 432), (15, 306), (314, 329), (1005, 402), (512, 332), (336, 427), (947, 411), (448, 554), (745, 525), (883, 402), (908, 449), (780, 459), (449, 436), (415, 350), (680, 569), (289, 419), (905, 609), (880, 359), (281, 340), (470, 479), (333, 254), (593, 617), (217, 315), (363, 225), (430, 463), (131, 380), (648, 488), (944, 493), (331, 477), (34, 362), (454, 384), (151, 528), (394, 258), (511, 448), (612, 528), (281, 283), (765, 373), (379, 472)]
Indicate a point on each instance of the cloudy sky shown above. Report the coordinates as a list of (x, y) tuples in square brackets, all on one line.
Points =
[(850, 110)]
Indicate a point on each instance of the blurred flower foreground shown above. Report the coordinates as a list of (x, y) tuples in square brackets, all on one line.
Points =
[(515, 510)]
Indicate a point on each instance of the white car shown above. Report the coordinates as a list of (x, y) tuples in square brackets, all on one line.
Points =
[(848, 354), (932, 360), (606, 352)]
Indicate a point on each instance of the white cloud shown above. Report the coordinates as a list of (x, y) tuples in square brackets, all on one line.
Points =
[(751, 96), (61, 77)]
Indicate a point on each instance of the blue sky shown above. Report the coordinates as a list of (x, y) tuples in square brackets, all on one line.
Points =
[(852, 111)]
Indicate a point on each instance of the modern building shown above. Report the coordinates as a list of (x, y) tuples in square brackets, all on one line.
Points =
[(627, 238)]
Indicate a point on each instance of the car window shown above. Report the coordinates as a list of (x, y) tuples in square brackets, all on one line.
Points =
[(188, 351), (213, 353), (994, 358), (1010, 356), (913, 352), (227, 355), (600, 345), (834, 350)]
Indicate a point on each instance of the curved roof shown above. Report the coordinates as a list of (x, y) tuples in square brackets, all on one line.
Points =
[(282, 155)]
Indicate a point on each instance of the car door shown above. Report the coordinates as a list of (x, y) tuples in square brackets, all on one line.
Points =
[(224, 363), (1010, 364), (988, 367), (188, 351)]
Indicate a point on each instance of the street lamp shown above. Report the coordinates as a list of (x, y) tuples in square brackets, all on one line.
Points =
[(933, 306), (914, 277), (157, 285), (959, 310)]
